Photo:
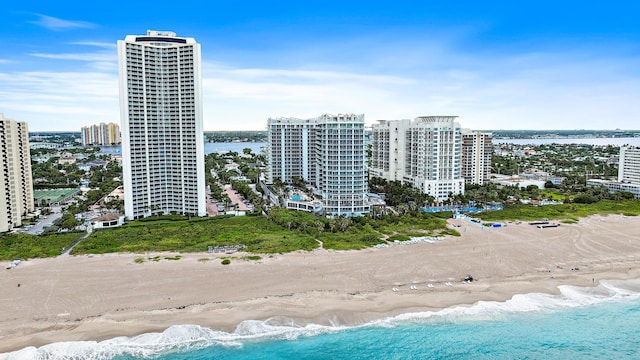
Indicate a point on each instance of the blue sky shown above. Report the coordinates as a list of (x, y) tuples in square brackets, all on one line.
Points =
[(495, 64)]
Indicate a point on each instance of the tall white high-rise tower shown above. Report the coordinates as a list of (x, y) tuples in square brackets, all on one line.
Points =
[(16, 195), (327, 152), (424, 153), (161, 115)]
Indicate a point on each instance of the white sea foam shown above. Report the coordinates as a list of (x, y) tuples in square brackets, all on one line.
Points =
[(569, 297), (190, 337)]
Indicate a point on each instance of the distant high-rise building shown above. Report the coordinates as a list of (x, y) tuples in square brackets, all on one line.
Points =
[(425, 153), (16, 197), (629, 165), (477, 149), (102, 134), (161, 113), (327, 152)]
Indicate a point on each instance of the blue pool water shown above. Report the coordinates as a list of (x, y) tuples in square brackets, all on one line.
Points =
[(581, 323)]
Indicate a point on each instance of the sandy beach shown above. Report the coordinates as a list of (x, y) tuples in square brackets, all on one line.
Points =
[(70, 298)]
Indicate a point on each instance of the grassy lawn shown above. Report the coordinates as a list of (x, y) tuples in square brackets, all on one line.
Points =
[(553, 195)]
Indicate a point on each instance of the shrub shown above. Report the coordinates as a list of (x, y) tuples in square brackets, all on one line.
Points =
[(226, 262)]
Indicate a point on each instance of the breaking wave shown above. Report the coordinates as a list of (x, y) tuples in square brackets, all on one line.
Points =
[(183, 338)]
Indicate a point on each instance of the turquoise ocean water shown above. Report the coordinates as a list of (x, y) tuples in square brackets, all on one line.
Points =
[(581, 323)]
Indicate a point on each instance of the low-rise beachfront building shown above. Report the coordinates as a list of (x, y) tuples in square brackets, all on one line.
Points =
[(327, 152), (107, 220), (517, 180), (628, 173), (425, 153), (614, 186)]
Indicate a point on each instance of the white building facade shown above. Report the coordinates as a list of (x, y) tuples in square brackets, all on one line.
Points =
[(16, 196), (477, 148), (161, 122), (425, 153), (327, 152), (629, 165)]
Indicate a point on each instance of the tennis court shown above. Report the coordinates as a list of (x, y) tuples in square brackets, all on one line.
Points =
[(52, 196)]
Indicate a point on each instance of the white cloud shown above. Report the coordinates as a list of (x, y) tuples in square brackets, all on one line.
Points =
[(103, 60), (95, 43), (59, 100), (95, 56), (58, 24), (533, 91)]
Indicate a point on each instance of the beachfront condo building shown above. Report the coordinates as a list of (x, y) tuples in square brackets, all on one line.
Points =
[(477, 148), (15, 174), (425, 153), (100, 134), (327, 152), (161, 121), (629, 165)]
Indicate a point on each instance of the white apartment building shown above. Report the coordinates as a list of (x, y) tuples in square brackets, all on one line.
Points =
[(629, 165), (161, 120), (327, 152), (16, 197), (101, 134), (425, 153), (477, 148), (615, 186)]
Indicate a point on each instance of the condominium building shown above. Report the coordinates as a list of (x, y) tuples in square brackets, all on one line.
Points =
[(101, 134), (477, 149), (629, 165), (328, 152), (16, 197), (425, 153), (615, 186), (161, 118)]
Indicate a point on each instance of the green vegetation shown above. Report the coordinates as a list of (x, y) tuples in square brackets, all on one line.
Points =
[(226, 262), (563, 211), (397, 193), (258, 233), (24, 246), (204, 259), (283, 231), (253, 257), (139, 260)]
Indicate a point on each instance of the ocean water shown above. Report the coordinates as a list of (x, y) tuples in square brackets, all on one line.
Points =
[(581, 323)]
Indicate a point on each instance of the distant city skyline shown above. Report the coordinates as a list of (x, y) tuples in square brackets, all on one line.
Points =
[(498, 65)]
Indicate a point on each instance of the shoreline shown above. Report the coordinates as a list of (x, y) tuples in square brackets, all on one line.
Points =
[(79, 298)]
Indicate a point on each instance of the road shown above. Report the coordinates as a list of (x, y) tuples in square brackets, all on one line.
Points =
[(45, 221)]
